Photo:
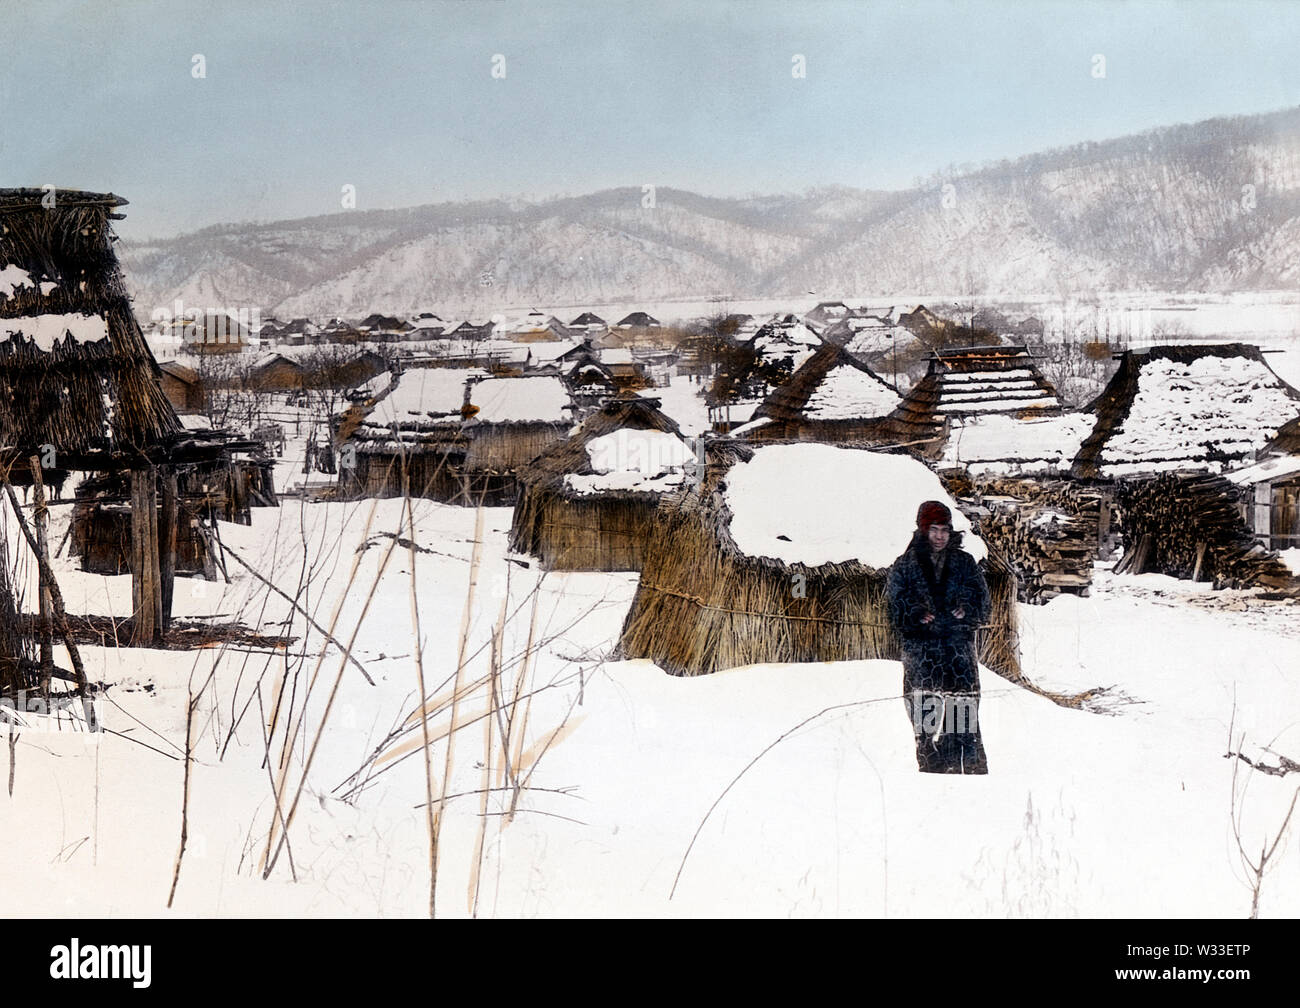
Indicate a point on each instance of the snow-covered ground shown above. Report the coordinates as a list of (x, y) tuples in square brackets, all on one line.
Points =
[(773, 790)]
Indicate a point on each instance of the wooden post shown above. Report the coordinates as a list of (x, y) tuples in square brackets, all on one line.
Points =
[(1103, 521), (155, 556), (42, 521), (146, 587), (167, 535)]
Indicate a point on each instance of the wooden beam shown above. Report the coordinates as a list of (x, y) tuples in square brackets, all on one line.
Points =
[(167, 536), (41, 519), (146, 595)]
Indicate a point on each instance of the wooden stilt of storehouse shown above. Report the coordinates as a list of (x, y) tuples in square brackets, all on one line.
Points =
[(167, 534), (146, 580)]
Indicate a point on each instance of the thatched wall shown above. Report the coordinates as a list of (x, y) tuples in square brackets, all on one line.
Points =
[(501, 447), (703, 606), (430, 474), (865, 432), (597, 532)]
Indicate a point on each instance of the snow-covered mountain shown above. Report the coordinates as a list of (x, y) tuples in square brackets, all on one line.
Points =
[(1210, 206)]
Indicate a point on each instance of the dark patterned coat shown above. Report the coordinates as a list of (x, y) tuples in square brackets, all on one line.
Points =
[(937, 656), (940, 669)]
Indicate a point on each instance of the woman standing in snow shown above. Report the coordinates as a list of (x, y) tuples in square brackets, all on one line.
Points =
[(937, 600)]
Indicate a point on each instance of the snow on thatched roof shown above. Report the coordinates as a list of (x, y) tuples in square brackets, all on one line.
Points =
[(588, 502), (718, 569), (633, 460), (1007, 445), (1185, 407), (628, 439), (420, 407), (815, 504), (871, 336), (1273, 468), (830, 386), (972, 381), (541, 399), (75, 370), (785, 336), (423, 394)]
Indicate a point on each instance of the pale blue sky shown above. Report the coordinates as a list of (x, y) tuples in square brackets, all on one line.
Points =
[(396, 97)]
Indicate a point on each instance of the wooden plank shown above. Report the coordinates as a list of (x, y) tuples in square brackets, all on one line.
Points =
[(1200, 556), (144, 552), (155, 559), (167, 535), (1067, 580)]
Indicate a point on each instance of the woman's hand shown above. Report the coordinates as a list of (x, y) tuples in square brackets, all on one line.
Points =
[(928, 618), (959, 612)]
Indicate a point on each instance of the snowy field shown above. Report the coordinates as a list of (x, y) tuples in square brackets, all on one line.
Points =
[(779, 790)]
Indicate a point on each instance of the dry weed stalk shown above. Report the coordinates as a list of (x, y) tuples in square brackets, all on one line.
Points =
[(1256, 867), (292, 735)]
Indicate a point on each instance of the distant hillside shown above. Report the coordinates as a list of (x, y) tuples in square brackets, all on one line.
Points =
[(1165, 210)]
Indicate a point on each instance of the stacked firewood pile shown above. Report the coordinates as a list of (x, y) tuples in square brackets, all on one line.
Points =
[(1189, 525), (1047, 529)]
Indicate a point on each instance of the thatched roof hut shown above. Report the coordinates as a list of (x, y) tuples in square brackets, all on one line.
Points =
[(77, 377), (75, 371), (1190, 406), (972, 381), (452, 434), (409, 437), (783, 555), (513, 420), (749, 371), (832, 397), (589, 502)]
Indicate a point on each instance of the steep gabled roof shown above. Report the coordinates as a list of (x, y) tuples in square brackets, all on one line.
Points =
[(571, 457), (771, 357), (75, 370), (830, 386), (588, 319), (973, 381), (638, 319), (1187, 406)]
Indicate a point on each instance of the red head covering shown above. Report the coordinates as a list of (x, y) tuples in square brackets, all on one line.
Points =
[(933, 513)]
